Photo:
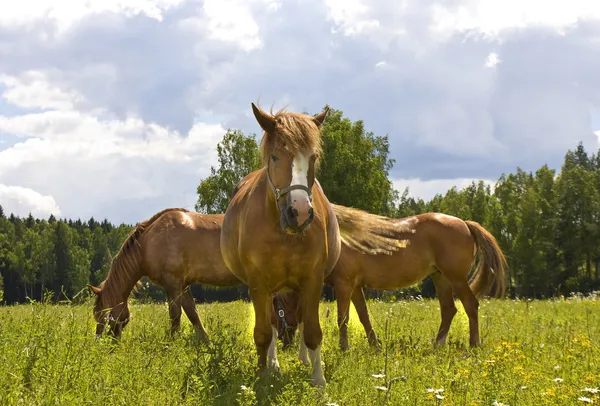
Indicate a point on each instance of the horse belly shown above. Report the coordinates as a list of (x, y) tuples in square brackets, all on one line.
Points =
[(396, 272)]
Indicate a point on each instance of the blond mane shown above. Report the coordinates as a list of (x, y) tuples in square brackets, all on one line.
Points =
[(368, 233), (295, 131)]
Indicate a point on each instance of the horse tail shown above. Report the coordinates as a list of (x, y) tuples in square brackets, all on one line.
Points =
[(491, 268), (129, 257), (367, 233)]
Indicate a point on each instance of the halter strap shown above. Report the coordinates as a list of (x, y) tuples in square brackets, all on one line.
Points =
[(283, 326), (280, 192)]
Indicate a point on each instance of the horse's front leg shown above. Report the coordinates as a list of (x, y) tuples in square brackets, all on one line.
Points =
[(265, 335), (311, 328)]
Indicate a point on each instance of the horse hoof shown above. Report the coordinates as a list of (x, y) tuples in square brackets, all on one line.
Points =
[(319, 381), (274, 365), (305, 361)]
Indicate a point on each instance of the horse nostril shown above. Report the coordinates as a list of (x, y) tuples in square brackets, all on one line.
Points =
[(292, 213)]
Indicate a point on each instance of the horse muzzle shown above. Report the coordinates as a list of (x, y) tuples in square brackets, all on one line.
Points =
[(297, 216)]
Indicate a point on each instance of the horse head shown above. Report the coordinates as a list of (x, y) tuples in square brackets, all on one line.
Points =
[(290, 150)]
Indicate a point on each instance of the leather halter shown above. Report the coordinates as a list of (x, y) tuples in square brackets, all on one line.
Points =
[(283, 326), (281, 192)]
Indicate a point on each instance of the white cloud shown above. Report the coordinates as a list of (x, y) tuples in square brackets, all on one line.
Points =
[(427, 189), (65, 13), (90, 165), (351, 16), (32, 90), (21, 201), (492, 60), (491, 18), (233, 21)]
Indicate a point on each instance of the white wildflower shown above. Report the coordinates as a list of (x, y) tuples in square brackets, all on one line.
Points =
[(381, 388), (591, 390), (378, 375), (437, 395), (559, 380), (584, 399)]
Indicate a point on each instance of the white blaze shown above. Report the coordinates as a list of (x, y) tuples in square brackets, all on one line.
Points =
[(300, 167)]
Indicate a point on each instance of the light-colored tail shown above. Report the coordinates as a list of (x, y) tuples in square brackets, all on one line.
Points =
[(491, 267), (367, 233)]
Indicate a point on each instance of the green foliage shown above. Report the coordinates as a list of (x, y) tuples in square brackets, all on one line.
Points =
[(238, 155), (355, 166), (534, 352)]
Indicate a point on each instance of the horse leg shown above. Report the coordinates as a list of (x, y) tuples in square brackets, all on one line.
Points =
[(175, 299), (343, 293), (303, 354), (265, 334), (471, 305), (443, 290), (190, 310), (312, 333), (358, 298)]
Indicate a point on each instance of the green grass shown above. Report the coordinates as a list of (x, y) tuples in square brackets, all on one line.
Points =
[(49, 356)]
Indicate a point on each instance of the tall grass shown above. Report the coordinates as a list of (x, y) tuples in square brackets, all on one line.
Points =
[(534, 352)]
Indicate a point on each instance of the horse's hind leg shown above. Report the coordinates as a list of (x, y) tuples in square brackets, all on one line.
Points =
[(443, 290), (343, 293), (358, 298), (471, 305), (190, 310)]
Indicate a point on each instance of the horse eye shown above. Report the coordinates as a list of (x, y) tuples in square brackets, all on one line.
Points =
[(274, 158)]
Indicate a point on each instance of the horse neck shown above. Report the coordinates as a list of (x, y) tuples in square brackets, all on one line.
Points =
[(117, 288)]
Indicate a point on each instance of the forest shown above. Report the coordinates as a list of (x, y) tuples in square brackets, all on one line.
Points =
[(546, 221)]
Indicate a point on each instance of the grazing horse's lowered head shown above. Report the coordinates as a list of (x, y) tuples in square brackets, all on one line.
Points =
[(291, 167), (116, 316), (285, 316)]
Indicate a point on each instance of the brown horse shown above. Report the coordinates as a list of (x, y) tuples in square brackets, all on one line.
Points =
[(280, 231), (174, 248), (439, 245)]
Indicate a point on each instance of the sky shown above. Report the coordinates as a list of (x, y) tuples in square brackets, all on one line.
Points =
[(113, 108)]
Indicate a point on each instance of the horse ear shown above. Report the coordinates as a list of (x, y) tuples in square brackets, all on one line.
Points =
[(94, 289), (321, 117), (265, 120)]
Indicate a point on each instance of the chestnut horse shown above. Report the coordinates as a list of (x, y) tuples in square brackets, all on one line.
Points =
[(280, 231), (437, 245), (174, 248)]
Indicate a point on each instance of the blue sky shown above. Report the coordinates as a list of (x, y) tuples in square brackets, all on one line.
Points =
[(113, 108)]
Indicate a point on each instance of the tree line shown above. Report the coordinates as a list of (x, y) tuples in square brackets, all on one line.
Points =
[(547, 222)]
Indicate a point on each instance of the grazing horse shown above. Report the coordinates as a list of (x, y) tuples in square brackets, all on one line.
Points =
[(437, 245), (175, 248), (280, 231)]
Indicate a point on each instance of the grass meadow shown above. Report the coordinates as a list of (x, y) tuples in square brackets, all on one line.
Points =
[(534, 352)]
